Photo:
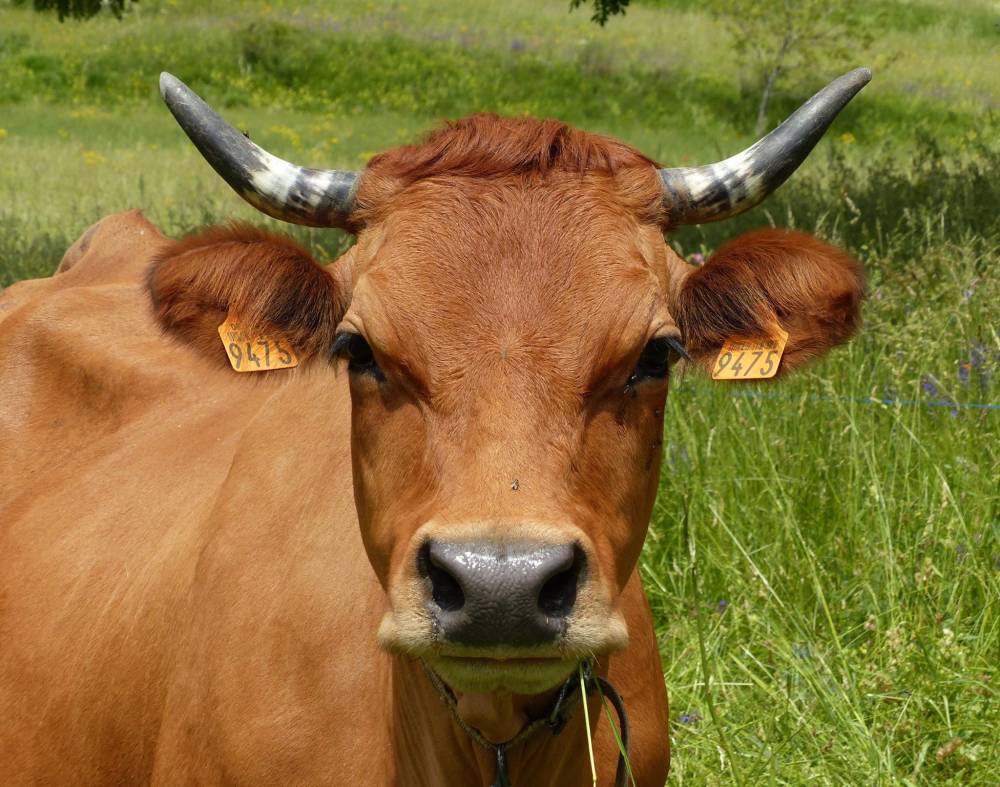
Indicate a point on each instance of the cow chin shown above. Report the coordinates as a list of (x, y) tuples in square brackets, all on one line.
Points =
[(487, 675)]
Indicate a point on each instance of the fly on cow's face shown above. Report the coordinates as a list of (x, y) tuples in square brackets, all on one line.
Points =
[(360, 358)]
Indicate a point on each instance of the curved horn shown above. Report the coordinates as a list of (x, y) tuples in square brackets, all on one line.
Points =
[(696, 195), (314, 197)]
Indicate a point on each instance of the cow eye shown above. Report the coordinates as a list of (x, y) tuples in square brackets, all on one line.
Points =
[(657, 357), (360, 358)]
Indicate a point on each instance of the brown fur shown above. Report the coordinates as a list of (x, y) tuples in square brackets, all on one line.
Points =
[(267, 280), (487, 146), (811, 289)]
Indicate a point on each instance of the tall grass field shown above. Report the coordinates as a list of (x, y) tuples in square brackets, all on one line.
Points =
[(824, 557)]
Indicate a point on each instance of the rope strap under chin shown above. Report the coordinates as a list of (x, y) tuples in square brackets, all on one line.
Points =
[(555, 720)]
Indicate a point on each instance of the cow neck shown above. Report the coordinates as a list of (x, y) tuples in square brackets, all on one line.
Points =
[(550, 723)]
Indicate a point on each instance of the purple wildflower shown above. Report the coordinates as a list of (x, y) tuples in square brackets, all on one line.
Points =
[(977, 356), (691, 717), (930, 387), (976, 367), (697, 258), (517, 45), (723, 605)]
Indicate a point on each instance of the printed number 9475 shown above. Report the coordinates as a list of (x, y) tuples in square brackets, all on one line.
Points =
[(259, 355), (746, 365)]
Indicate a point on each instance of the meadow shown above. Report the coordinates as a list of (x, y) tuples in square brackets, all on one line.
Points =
[(824, 556)]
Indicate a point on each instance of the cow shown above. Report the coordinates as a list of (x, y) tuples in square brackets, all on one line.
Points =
[(406, 551)]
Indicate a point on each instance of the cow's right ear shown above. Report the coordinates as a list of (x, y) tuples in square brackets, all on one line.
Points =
[(267, 281)]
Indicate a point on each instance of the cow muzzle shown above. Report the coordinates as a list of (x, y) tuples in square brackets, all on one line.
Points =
[(496, 606), (489, 595)]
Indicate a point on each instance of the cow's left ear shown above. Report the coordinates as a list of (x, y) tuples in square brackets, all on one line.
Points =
[(268, 282), (810, 289)]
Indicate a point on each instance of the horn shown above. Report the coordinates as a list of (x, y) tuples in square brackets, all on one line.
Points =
[(314, 197), (696, 195)]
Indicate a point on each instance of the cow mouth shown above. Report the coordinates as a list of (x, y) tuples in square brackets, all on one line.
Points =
[(517, 675), (408, 631)]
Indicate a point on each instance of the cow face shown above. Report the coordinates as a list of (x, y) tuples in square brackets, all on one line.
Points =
[(507, 346), (506, 323)]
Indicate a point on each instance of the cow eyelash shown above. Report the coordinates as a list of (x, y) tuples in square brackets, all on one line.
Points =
[(360, 358), (659, 354)]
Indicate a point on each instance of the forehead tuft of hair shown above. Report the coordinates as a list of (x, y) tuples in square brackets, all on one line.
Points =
[(487, 145)]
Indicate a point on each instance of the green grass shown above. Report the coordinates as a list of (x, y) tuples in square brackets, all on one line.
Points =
[(824, 567), (846, 556)]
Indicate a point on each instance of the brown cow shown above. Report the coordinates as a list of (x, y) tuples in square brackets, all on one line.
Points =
[(386, 565)]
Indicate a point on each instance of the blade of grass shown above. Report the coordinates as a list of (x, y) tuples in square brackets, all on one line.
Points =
[(692, 554), (586, 722)]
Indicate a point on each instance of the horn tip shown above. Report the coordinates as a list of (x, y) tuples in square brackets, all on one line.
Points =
[(168, 83), (861, 75)]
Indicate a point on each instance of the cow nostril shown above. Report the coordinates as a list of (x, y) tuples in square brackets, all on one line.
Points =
[(558, 594), (445, 589)]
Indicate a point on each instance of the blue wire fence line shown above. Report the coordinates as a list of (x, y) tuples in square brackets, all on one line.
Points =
[(954, 406)]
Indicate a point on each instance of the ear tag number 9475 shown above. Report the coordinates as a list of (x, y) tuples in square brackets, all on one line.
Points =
[(255, 354), (750, 359)]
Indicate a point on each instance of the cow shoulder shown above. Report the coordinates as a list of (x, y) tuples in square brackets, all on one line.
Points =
[(266, 281), (770, 277)]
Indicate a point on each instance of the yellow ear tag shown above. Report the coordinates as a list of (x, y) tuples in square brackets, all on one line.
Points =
[(750, 359), (257, 354)]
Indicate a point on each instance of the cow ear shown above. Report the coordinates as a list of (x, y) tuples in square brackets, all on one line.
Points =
[(810, 289), (267, 281)]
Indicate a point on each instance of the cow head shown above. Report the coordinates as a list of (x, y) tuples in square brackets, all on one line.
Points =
[(508, 320)]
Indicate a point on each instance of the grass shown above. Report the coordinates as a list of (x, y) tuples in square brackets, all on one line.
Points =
[(836, 557), (824, 557)]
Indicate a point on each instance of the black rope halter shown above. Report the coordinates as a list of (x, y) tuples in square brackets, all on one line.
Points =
[(555, 720)]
